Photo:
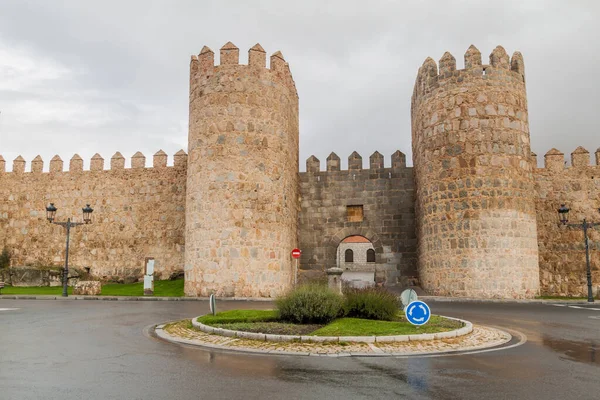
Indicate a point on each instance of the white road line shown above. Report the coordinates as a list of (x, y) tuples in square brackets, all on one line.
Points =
[(9, 309), (558, 305), (585, 308), (594, 317)]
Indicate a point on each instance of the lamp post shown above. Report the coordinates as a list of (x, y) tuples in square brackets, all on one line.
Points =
[(87, 218), (563, 216)]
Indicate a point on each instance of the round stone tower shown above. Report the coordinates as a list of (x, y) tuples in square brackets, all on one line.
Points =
[(242, 184), (475, 190)]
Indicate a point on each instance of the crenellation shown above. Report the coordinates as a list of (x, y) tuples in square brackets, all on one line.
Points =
[(517, 64), (159, 160), (534, 160), (554, 160), (333, 162), (428, 79), (257, 56), (138, 160), (277, 63), (398, 159), (76, 163), (18, 165), (230, 54), (473, 58), (97, 163), (180, 160), (499, 58), (313, 164), (376, 160), (117, 161), (447, 64), (2, 165), (206, 60), (355, 161), (56, 164), (597, 157), (37, 165), (580, 157)]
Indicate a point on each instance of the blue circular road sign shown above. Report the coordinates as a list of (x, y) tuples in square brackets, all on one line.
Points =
[(417, 313)]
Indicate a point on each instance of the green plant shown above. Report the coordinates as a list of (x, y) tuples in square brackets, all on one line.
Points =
[(370, 303), (310, 304), (5, 258)]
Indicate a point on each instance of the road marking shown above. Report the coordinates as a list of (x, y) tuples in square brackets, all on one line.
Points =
[(558, 305), (594, 317), (585, 308), (9, 309)]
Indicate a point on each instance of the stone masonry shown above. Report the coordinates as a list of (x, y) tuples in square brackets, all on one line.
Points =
[(475, 199), (242, 197), (473, 217), (138, 212)]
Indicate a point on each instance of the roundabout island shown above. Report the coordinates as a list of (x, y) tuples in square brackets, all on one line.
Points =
[(315, 321)]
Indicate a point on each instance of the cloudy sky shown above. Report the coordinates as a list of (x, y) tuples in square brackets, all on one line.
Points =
[(82, 76)]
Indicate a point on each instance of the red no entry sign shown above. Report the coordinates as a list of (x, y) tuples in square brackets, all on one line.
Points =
[(296, 253)]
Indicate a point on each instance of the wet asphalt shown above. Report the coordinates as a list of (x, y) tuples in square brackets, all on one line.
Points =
[(61, 349)]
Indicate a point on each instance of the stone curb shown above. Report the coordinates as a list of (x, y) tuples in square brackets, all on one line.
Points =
[(160, 333), (465, 330), (443, 299)]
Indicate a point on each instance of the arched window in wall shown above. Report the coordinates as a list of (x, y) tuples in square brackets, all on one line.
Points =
[(371, 255), (349, 256)]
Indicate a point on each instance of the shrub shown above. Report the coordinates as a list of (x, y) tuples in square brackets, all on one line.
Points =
[(370, 303), (5, 258), (310, 304)]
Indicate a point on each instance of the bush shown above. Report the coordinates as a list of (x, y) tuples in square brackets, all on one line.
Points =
[(371, 303), (310, 304), (5, 258)]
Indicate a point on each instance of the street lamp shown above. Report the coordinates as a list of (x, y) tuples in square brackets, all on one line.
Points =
[(563, 217), (87, 218)]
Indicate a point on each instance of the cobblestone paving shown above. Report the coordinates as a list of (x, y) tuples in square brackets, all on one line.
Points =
[(481, 337)]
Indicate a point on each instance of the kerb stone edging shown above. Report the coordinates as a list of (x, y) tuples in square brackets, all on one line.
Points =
[(465, 330)]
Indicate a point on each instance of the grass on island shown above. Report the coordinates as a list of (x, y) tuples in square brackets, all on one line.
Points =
[(161, 289), (239, 316), (369, 327), (265, 321)]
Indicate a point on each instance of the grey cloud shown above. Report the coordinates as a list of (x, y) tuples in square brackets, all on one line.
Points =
[(126, 62)]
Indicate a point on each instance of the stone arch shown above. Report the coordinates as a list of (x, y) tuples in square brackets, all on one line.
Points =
[(332, 242)]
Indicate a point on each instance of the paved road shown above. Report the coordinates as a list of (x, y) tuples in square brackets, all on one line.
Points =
[(97, 350)]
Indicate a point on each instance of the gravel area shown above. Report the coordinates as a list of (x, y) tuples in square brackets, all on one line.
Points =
[(481, 337)]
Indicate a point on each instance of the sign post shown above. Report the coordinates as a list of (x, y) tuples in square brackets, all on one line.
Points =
[(296, 255)]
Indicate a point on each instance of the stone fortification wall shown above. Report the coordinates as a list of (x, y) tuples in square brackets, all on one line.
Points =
[(475, 191), (387, 199), (562, 251), (138, 213), (242, 185)]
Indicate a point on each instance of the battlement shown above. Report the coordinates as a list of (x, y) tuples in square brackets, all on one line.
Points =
[(501, 68), (355, 162), (117, 162), (203, 66), (554, 160)]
